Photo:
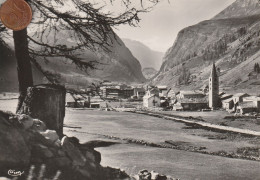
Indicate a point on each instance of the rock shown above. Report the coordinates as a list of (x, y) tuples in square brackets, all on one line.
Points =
[(41, 151), (144, 175), (57, 143), (50, 135), (59, 162), (90, 156), (73, 152), (38, 125), (161, 177), (25, 120), (154, 175), (14, 149)]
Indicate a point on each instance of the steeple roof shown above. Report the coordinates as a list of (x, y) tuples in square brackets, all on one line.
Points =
[(213, 71)]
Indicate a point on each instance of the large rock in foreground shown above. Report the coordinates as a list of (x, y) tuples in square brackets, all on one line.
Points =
[(26, 144)]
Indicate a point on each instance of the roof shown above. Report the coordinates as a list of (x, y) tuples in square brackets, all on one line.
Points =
[(69, 98), (227, 100), (251, 98), (213, 71), (247, 105), (162, 87), (226, 95), (239, 94), (191, 93), (193, 100)]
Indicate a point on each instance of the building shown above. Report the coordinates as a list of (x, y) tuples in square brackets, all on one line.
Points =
[(248, 107), (190, 95), (152, 91), (139, 92), (213, 88), (162, 91), (238, 97), (151, 101), (191, 104), (228, 103)]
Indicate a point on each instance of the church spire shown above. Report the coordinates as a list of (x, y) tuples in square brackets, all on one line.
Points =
[(213, 88), (213, 70)]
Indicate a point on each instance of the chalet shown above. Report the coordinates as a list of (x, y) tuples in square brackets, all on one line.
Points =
[(238, 97), (227, 103), (247, 107), (191, 104)]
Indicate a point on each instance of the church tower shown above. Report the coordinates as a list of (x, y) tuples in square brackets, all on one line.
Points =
[(213, 88)]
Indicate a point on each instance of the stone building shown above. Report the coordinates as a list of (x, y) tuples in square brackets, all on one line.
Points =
[(213, 88)]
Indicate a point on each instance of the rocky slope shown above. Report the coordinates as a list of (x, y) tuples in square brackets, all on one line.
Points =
[(149, 72), (147, 57), (116, 65), (231, 39)]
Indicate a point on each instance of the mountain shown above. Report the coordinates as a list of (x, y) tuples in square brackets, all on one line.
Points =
[(149, 72), (231, 39), (146, 56), (240, 8), (118, 64)]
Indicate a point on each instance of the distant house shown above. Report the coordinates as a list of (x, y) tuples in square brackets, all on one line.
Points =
[(162, 91), (191, 104), (97, 102), (248, 107), (139, 92), (70, 101), (152, 91), (171, 94), (151, 101), (238, 98), (228, 103)]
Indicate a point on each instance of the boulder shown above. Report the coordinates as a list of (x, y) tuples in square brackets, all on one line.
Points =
[(41, 151), (144, 175), (25, 120), (73, 152), (38, 125), (154, 175), (50, 135), (14, 150)]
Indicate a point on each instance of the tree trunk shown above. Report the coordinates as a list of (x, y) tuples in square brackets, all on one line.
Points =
[(47, 103), (24, 68)]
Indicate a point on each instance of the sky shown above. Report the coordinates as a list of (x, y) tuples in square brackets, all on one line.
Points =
[(159, 28)]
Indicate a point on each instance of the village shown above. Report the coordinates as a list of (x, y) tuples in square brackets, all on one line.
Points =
[(111, 95)]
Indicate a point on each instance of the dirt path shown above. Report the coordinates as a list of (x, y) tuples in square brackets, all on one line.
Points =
[(202, 124)]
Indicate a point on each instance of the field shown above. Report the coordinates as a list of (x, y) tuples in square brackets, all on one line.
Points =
[(118, 126), (92, 125)]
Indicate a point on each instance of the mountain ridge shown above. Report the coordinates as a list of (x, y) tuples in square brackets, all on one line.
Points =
[(229, 40)]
